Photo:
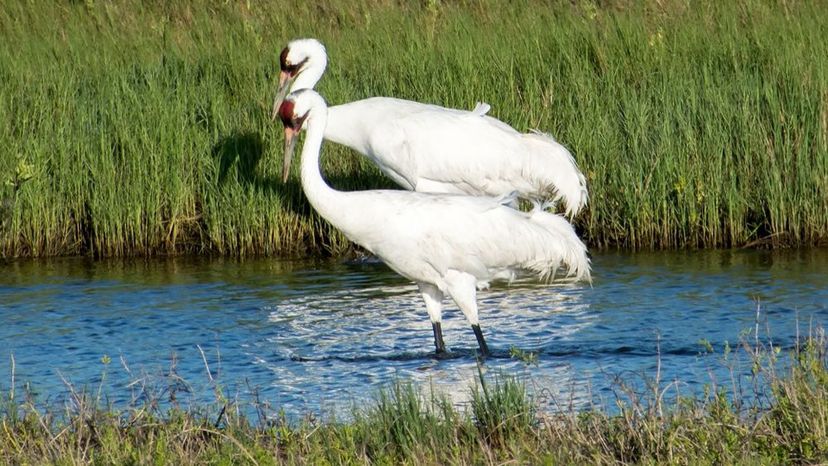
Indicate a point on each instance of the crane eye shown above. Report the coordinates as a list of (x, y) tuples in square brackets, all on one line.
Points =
[(299, 121), (291, 69)]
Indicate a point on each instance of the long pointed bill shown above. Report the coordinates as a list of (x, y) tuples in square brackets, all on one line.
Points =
[(281, 92), (290, 146)]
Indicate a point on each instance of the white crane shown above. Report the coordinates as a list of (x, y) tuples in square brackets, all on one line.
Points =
[(449, 244), (428, 148)]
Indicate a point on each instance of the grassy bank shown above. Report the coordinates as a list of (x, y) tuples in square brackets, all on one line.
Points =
[(783, 421), (132, 127)]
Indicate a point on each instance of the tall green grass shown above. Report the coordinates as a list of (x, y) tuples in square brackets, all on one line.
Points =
[(141, 127)]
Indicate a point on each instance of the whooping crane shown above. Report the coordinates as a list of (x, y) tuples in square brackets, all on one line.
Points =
[(428, 148), (448, 244)]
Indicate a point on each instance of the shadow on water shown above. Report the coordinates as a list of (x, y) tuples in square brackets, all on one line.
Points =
[(462, 353), (556, 351)]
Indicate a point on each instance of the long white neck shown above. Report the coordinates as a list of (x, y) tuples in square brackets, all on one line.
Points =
[(349, 125), (331, 204), (312, 71), (308, 78)]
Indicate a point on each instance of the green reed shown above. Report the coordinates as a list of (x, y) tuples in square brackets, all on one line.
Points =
[(133, 128)]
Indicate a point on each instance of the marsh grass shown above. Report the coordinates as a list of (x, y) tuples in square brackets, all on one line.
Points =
[(134, 128), (780, 421)]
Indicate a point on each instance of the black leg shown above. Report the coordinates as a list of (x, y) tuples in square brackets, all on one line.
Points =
[(438, 337), (484, 349)]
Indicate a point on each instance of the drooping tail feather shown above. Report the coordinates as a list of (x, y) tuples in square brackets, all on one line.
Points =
[(567, 246), (556, 168)]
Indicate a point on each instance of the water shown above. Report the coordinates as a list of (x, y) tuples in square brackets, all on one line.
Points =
[(319, 336)]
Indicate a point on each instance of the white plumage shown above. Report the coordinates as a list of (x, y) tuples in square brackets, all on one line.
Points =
[(428, 148), (448, 244)]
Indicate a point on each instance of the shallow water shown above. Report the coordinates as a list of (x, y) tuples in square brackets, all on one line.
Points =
[(317, 336)]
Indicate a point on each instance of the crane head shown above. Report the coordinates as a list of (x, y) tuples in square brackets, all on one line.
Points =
[(292, 121), (305, 57)]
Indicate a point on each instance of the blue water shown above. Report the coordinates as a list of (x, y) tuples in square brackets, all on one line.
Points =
[(317, 337)]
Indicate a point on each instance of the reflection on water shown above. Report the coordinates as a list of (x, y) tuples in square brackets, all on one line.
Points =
[(314, 336)]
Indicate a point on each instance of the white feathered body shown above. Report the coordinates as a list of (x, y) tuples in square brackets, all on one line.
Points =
[(428, 236), (428, 148), (423, 236)]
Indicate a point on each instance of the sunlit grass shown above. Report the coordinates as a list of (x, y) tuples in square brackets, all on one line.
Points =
[(134, 127)]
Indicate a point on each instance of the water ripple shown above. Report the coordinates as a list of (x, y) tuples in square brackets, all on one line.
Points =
[(314, 336)]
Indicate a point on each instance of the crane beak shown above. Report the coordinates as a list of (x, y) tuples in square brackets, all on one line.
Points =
[(290, 146), (281, 92)]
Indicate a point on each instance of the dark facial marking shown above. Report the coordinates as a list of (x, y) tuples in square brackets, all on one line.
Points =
[(301, 120), (287, 116), (286, 113), (283, 58), (291, 69)]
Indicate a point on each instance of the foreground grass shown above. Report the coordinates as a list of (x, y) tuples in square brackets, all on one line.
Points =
[(134, 127), (784, 421)]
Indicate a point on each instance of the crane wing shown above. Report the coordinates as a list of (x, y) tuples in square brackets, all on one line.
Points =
[(428, 148), (465, 151), (454, 151)]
